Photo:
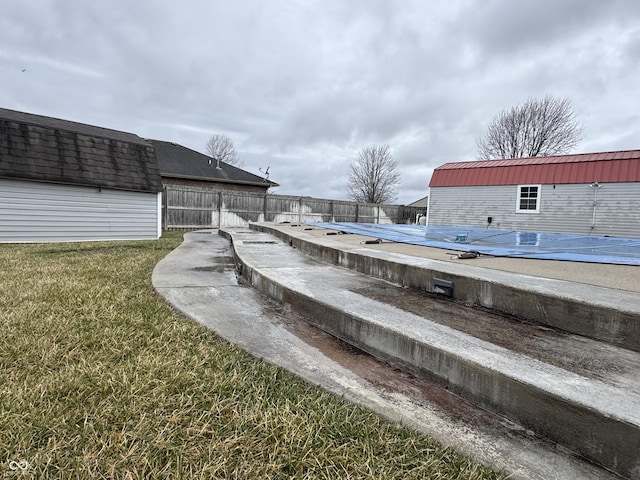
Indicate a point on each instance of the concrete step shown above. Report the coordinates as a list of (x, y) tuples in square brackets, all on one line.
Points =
[(587, 402), (606, 314)]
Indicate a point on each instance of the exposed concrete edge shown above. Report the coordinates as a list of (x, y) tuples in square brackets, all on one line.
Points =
[(609, 442), (604, 314)]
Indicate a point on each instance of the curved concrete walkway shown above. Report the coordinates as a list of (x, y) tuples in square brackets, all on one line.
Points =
[(199, 279)]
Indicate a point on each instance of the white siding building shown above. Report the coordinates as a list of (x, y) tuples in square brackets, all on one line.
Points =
[(586, 194), (65, 181)]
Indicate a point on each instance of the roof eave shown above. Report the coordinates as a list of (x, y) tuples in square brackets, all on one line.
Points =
[(220, 180), (80, 184)]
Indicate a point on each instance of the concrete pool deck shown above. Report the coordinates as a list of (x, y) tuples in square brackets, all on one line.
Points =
[(618, 277)]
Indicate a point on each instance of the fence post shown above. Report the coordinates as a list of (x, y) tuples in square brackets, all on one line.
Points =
[(219, 209), (378, 215), (331, 207), (265, 208), (165, 208), (357, 212), (300, 210)]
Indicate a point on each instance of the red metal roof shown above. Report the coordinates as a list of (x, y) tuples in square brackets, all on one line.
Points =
[(605, 167)]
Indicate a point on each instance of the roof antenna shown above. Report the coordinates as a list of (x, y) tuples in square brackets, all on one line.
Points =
[(265, 173)]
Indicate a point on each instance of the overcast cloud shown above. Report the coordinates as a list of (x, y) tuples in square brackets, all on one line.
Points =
[(301, 86)]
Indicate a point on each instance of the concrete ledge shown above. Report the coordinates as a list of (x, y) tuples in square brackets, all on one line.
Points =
[(604, 314), (598, 421)]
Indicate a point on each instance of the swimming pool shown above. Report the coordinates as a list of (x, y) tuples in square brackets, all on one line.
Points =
[(503, 243)]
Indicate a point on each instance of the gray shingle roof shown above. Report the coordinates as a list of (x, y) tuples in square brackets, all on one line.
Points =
[(182, 162), (34, 147)]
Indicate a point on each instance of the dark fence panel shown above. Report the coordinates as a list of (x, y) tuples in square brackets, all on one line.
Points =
[(410, 214), (186, 207), (343, 211), (238, 209), (281, 208)]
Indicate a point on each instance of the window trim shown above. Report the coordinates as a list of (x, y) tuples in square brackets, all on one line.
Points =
[(519, 198)]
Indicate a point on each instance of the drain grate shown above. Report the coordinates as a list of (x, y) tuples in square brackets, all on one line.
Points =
[(258, 242)]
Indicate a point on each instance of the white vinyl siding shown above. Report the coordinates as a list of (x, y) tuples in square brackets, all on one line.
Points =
[(567, 208), (45, 212)]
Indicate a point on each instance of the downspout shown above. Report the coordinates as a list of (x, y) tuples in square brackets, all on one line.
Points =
[(428, 208), (163, 212), (596, 186)]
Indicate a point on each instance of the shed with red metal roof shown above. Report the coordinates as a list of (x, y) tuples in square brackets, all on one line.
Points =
[(590, 193)]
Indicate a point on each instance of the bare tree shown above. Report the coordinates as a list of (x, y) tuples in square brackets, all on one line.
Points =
[(535, 128), (374, 176), (221, 149)]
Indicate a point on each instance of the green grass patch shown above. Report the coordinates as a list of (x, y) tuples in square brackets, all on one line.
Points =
[(100, 378)]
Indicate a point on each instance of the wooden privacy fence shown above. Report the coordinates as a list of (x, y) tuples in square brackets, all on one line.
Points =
[(195, 208)]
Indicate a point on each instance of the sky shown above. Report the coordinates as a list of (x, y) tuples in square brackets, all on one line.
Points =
[(302, 86)]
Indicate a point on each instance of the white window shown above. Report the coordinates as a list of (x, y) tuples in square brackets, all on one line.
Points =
[(528, 200)]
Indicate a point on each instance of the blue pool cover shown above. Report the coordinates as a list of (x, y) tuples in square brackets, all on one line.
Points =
[(502, 243)]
